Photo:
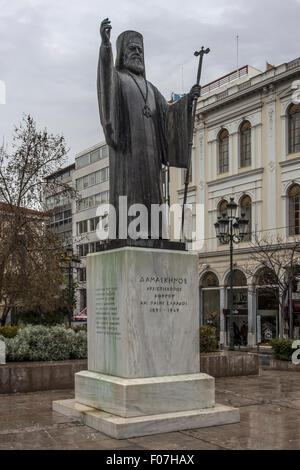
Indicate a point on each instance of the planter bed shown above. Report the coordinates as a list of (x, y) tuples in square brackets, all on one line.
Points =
[(22, 377), (227, 364)]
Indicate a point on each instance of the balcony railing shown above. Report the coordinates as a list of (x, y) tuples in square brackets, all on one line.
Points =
[(225, 80)]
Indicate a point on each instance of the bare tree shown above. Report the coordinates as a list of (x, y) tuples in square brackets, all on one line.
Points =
[(30, 273), (273, 264)]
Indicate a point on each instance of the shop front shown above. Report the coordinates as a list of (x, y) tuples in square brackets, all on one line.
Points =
[(240, 309), (267, 307), (210, 302)]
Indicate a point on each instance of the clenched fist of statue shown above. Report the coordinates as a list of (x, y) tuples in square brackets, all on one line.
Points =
[(105, 30)]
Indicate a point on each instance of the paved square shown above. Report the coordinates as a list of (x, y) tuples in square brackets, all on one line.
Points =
[(269, 406)]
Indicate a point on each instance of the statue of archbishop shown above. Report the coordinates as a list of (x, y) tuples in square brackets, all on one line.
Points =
[(142, 130)]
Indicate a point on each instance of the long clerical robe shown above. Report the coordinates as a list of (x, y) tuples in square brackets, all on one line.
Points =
[(139, 145)]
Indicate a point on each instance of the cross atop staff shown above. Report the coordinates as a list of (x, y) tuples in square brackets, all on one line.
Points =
[(199, 54)]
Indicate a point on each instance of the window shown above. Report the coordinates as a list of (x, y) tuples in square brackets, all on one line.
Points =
[(95, 156), (294, 128), (85, 181), (294, 210), (82, 161), (210, 280), (104, 175), (61, 218), (239, 279), (246, 209), (82, 227), (93, 201), (79, 184), (96, 177), (92, 179), (104, 152), (210, 302), (223, 151), (83, 250), (93, 224), (222, 208), (245, 144), (81, 273)]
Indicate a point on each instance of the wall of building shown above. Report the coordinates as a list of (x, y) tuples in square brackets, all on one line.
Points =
[(88, 238), (262, 99)]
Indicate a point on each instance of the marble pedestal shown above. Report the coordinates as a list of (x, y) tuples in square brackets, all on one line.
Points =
[(143, 347)]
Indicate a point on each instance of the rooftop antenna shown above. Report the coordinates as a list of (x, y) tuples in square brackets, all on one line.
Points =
[(237, 56)]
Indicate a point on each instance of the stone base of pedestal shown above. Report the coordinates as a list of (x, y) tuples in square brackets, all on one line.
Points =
[(130, 398), (124, 428)]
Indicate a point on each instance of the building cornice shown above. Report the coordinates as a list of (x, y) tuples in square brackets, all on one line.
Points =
[(242, 93), (290, 162), (234, 114), (190, 190), (258, 171), (246, 250)]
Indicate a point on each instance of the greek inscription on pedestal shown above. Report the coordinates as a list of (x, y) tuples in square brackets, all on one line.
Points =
[(164, 295), (107, 317)]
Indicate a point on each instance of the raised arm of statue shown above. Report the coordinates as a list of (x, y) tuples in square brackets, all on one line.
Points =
[(106, 83)]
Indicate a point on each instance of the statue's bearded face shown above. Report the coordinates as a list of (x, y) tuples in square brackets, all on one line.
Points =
[(134, 58)]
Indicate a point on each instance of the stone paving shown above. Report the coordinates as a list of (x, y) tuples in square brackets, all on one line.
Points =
[(269, 406)]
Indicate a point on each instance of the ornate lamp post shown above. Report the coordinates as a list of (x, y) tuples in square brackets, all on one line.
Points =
[(231, 229)]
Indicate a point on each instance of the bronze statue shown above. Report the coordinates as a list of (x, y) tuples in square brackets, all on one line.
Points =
[(142, 130)]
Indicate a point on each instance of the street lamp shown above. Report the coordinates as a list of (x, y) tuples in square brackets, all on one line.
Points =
[(231, 229)]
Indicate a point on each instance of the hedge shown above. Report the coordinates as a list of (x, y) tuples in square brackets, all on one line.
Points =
[(282, 348), (9, 331), (208, 340), (40, 343)]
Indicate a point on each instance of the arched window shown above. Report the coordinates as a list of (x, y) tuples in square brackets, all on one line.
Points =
[(223, 151), (210, 280), (245, 207), (222, 207), (266, 277), (294, 128), (239, 279), (210, 301), (294, 210), (245, 144)]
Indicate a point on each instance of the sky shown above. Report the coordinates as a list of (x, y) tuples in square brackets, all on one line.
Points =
[(49, 52)]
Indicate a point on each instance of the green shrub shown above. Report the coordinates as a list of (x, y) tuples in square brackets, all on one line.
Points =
[(282, 348), (39, 343), (9, 331), (208, 340), (79, 345)]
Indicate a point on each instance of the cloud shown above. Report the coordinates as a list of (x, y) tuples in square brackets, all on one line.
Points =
[(49, 51)]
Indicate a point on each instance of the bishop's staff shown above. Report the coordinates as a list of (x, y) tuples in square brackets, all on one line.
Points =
[(199, 54)]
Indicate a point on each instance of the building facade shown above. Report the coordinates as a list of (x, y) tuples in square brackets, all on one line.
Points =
[(61, 207), (91, 180), (246, 146)]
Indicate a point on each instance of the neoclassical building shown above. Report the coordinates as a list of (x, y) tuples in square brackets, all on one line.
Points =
[(246, 146)]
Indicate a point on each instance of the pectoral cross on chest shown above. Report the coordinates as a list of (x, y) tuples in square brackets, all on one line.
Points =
[(142, 86)]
